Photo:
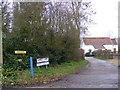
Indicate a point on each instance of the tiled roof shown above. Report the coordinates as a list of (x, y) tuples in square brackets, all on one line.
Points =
[(114, 41), (98, 42), (99, 47)]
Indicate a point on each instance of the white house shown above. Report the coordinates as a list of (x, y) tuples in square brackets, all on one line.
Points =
[(96, 43)]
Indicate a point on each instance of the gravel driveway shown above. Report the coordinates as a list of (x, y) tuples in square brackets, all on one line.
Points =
[(97, 74)]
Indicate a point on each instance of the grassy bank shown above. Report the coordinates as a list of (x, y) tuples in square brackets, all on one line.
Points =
[(101, 58), (114, 60), (53, 73)]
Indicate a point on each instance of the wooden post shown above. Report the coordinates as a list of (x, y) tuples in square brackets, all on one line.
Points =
[(1, 51)]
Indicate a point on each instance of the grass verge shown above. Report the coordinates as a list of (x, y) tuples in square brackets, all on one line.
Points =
[(53, 73), (114, 60), (101, 58)]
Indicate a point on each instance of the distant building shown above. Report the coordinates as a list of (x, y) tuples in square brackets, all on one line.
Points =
[(96, 43)]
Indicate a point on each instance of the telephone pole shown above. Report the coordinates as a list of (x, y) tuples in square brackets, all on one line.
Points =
[(1, 51)]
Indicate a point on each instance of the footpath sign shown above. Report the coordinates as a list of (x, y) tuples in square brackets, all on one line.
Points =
[(20, 56), (42, 62), (20, 52)]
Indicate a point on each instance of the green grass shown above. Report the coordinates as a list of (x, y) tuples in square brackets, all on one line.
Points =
[(51, 74), (101, 58)]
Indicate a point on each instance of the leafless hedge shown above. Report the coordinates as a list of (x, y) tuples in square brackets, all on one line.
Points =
[(103, 54)]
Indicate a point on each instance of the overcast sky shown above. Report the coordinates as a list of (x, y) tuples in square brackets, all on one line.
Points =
[(106, 18)]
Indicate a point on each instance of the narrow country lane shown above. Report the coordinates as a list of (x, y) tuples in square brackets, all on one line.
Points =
[(98, 74)]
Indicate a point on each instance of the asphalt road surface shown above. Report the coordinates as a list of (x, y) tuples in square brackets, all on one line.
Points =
[(97, 74)]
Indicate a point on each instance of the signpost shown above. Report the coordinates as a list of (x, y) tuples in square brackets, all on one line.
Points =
[(31, 62), (20, 52), (20, 58), (42, 61)]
